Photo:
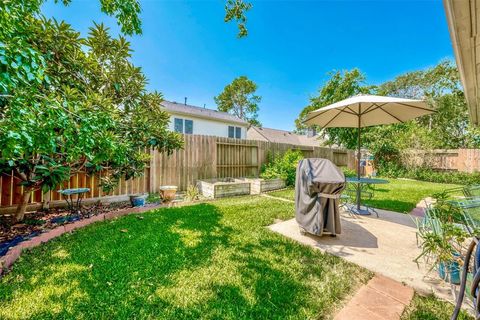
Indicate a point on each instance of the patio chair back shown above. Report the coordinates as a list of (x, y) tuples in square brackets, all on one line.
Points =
[(472, 191)]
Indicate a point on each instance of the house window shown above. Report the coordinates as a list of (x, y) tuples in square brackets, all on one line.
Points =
[(234, 132), (238, 132), (188, 126), (178, 125)]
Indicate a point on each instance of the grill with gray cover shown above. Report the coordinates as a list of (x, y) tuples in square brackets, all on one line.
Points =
[(318, 186)]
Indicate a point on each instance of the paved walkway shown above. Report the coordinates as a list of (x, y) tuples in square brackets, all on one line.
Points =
[(380, 299), (385, 245), (419, 210)]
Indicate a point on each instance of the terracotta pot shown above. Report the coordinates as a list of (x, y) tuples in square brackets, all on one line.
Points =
[(168, 193)]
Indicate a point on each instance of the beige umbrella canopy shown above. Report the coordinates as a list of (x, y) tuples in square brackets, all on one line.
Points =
[(365, 111)]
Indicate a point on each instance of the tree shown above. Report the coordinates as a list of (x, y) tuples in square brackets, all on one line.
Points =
[(239, 99), (235, 10), (341, 85), (440, 86), (70, 104)]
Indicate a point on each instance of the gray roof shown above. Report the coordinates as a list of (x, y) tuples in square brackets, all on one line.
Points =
[(194, 111), (282, 136)]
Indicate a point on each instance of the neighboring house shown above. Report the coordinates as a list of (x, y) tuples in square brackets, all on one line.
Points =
[(189, 119), (282, 136)]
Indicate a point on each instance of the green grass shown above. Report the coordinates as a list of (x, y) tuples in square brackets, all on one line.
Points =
[(431, 308), (398, 195), (208, 261)]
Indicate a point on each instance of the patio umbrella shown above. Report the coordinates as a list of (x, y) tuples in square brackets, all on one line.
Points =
[(364, 111)]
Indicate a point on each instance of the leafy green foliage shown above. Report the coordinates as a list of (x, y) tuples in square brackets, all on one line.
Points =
[(208, 261), (439, 86), (348, 172), (71, 104), (431, 308), (341, 85), (284, 167), (239, 99), (125, 11), (235, 10), (427, 174), (192, 193), (153, 197), (442, 234)]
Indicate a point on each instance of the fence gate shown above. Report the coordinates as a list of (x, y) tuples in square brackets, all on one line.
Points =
[(237, 158)]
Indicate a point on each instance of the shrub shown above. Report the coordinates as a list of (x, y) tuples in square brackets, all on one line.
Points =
[(442, 235), (284, 167), (153, 197), (192, 193), (427, 174), (348, 172)]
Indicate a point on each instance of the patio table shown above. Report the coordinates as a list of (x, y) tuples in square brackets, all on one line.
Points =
[(74, 206), (358, 183)]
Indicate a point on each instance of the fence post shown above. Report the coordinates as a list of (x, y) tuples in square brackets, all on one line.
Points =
[(46, 200)]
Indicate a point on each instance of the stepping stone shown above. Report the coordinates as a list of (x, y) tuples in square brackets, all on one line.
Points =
[(380, 299), (418, 212)]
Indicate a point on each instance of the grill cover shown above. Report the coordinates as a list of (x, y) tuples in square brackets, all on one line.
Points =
[(317, 190)]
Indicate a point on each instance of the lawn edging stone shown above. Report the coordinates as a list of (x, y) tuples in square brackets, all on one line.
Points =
[(14, 252)]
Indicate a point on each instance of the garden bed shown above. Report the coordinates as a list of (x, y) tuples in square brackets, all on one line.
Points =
[(38, 222), (259, 185), (223, 187)]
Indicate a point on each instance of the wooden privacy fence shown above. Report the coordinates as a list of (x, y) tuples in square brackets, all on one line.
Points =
[(203, 157), (207, 157), (463, 160)]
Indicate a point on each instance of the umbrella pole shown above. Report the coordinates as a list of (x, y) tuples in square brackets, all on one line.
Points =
[(359, 188)]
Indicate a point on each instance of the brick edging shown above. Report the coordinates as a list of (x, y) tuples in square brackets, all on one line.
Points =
[(14, 252)]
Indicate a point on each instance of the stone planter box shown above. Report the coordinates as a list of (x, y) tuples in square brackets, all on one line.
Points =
[(220, 188), (261, 185)]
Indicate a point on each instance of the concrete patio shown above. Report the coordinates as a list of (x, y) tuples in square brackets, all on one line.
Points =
[(386, 245)]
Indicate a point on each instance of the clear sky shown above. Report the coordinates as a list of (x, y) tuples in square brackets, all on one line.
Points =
[(186, 50)]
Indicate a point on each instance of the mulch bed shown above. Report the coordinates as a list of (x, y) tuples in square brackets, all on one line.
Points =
[(37, 222)]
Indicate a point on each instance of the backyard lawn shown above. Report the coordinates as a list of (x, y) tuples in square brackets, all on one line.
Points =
[(431, 308), (399, 195), (208, 261)]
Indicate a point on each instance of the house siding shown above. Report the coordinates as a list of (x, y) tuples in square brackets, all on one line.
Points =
[(208, 127)]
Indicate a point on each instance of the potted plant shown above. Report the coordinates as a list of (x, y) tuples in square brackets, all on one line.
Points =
[(138, 200), (443, 235), (168, 193)]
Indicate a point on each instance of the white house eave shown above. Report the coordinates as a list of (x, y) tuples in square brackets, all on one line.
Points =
[(463, 25)]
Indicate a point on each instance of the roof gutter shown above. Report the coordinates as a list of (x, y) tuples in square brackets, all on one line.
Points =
[(463, 25)]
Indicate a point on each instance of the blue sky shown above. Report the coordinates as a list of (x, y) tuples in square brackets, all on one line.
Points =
[(186, 50)]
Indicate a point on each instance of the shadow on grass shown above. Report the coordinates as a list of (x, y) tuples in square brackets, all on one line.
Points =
[(177, 263), (392, 205), (113, 267)]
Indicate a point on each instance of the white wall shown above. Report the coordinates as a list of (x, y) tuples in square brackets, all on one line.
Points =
[(208, 127)]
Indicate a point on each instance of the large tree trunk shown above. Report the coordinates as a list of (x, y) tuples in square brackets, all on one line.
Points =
[(22, 206)]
